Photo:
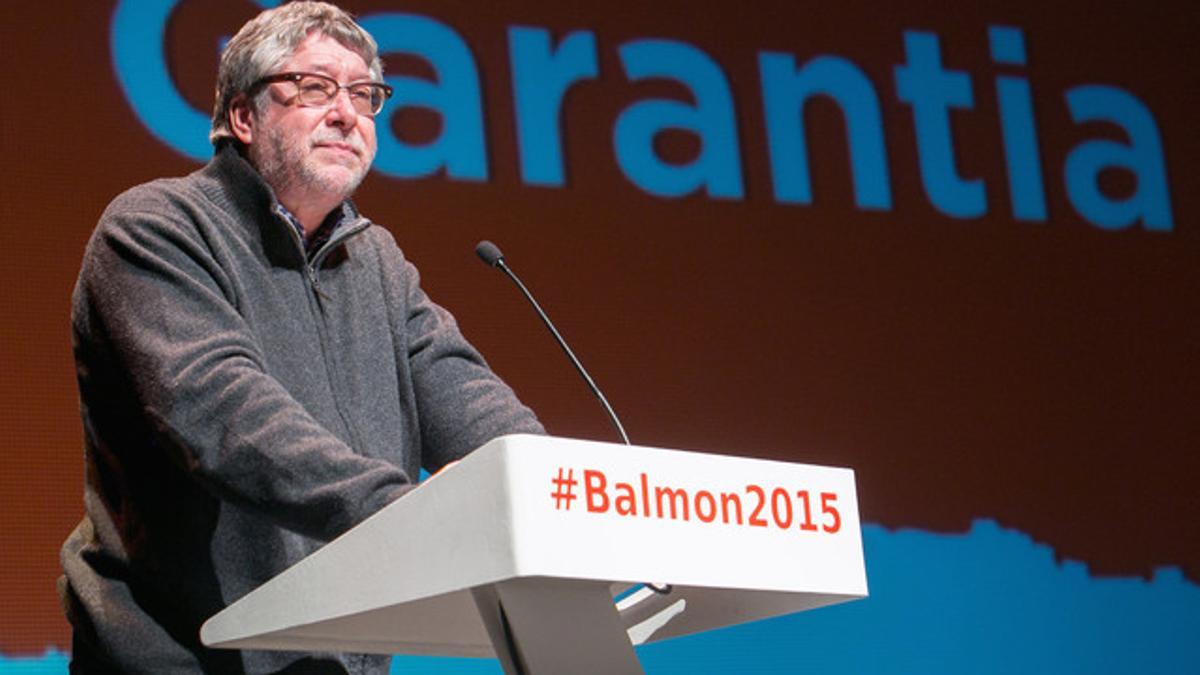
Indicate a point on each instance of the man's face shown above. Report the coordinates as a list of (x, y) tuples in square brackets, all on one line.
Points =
[(316, 154)]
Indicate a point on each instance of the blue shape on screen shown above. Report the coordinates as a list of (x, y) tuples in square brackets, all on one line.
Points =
[(53, 662), (138, 42), (542, 74), (1142, 156), (141, 67), (990, 600), (717, 170), (460, 148), (1015, 98), (987, 601), (786, 90), (933, 91), (1007, 44)]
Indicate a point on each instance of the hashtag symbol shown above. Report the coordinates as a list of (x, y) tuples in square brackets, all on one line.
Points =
[(564, 489)]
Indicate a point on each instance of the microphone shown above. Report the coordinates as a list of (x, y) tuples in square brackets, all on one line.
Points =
[(490, 254)]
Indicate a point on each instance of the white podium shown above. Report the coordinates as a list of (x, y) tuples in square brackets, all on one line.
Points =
[(518, 551)]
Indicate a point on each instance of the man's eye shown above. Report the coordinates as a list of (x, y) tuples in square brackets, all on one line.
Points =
[(312, 86)]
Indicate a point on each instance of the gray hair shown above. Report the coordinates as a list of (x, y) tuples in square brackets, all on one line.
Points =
[(269, 39)]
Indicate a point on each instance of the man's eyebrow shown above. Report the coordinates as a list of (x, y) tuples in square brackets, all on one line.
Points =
[(328, 68), (322, 68)]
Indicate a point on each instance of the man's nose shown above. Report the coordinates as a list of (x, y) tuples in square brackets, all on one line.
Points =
[(341, 110)]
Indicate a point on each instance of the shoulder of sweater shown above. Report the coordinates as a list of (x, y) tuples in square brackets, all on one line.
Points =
[(381, 240), (162, 218), (162, 198), (393, 265)]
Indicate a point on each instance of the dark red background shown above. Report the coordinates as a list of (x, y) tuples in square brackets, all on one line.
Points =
[(1041, 374)]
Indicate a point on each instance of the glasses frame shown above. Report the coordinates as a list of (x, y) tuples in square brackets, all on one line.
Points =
[(296, 76)]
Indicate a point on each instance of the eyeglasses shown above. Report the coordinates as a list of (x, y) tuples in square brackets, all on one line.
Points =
[(313, 89)]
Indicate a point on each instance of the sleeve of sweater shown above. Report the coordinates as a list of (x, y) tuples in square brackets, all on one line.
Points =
[(160, 344), (461, 403)]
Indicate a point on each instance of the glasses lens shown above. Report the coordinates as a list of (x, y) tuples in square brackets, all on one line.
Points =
[(316, 89), (367, 97)]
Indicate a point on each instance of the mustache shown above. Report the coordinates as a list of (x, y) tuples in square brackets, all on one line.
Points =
[(353, 142)]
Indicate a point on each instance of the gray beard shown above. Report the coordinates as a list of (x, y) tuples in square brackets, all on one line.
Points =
[(285, 168)]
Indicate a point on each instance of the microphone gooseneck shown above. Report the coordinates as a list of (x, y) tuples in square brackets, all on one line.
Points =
[(490, 254)]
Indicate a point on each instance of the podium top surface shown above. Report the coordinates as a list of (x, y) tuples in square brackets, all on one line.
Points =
[(739, 539)]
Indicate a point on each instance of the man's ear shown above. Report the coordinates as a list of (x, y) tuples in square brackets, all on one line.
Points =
[(241, 119)]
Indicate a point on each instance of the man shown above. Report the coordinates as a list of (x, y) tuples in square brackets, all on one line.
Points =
[(258, 367)]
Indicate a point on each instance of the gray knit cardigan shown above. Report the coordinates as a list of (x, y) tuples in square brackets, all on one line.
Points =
[(242, 405)]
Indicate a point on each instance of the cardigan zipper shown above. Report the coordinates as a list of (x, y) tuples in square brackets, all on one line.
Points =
[(312, 266), (317, 305)]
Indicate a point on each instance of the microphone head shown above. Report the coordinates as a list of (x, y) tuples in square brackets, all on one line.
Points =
[(489, 253)]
